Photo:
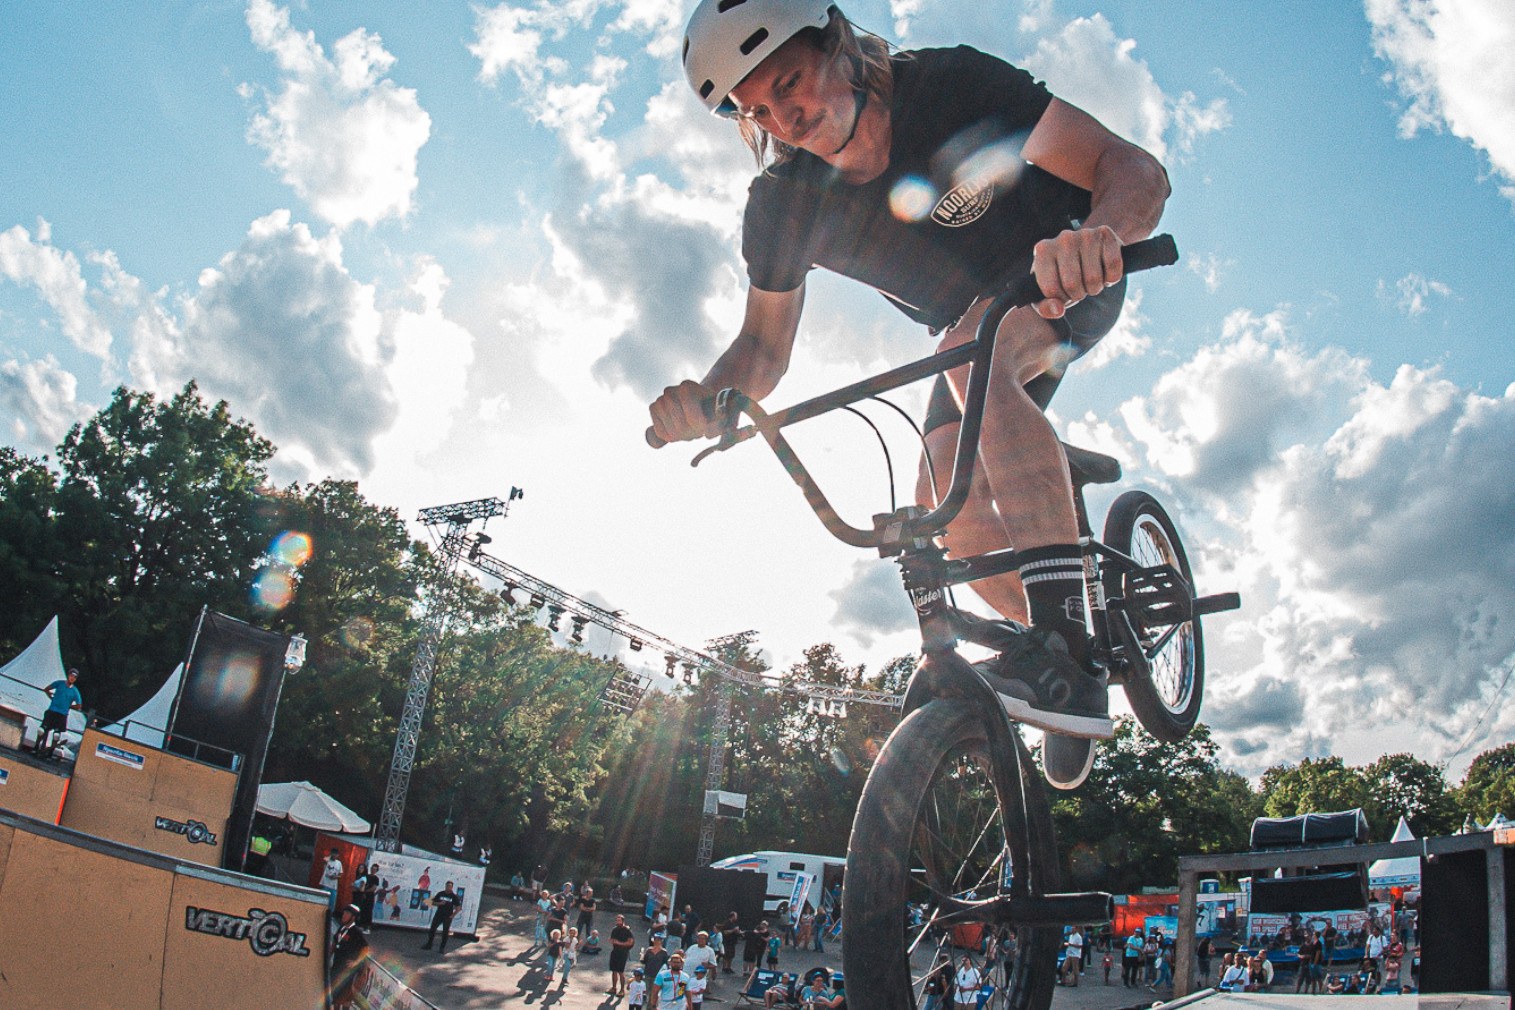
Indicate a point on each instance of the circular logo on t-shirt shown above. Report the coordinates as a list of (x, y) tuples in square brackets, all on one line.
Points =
[(964, 203)]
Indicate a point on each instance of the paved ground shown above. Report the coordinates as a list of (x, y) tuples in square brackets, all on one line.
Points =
[(502, 969)]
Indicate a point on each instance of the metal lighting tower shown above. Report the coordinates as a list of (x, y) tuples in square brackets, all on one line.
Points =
[(456, 518)]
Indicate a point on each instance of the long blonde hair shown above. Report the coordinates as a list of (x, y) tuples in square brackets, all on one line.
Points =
[(871, 72)]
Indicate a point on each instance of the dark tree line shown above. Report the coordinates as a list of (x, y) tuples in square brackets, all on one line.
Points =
[(154, 508)]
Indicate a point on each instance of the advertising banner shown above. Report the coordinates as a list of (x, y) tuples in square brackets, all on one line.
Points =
[(1167, 923), (408, 880), (376, 989), (1280, 932), (660, 891), (1216, 918), (802, 884)]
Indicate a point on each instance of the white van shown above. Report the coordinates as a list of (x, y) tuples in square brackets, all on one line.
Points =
[(781, 868)]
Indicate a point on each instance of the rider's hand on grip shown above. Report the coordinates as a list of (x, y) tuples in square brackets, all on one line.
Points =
[(682, 413)]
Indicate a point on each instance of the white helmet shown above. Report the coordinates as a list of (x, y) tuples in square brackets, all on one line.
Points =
[(727, 39)]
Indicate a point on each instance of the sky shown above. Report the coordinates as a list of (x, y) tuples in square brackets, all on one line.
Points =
[(451, 253)]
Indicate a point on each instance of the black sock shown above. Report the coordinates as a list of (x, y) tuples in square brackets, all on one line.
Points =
[(1054, 581)]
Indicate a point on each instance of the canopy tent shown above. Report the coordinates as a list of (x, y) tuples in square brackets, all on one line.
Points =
[(149, 724), (23, 679), (1401, 870), (305, 804)]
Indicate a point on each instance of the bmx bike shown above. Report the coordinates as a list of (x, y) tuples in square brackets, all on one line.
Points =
[(953, 831)]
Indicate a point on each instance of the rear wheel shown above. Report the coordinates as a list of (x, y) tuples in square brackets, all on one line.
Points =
[(1166, 677), (933, 826)]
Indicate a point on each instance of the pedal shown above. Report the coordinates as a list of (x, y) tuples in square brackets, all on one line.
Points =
[(1217, 603), (1157, 596)]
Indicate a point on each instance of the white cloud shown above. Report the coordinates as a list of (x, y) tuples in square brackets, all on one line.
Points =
[(281, 330), (339, 133), (1454, 63), (1366, 525), (1411, 294), (903, 12), (1125, 339), (57, 278), (39, 401), (1210, 268), (872, 603), (1088, 65)]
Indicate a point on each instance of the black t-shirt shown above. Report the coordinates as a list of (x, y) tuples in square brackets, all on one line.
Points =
[(653, 961), (953, 216), (446, 903), (585, 905), (676, 928), (753, 944), (620, 934)]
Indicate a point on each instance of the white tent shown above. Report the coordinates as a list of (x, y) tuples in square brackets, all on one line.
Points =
[(149, 724), (305, 804), (39, 665), (1399, 871)]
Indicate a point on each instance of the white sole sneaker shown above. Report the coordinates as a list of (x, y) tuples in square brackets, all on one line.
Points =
[(1066, 760), (1091, 727)]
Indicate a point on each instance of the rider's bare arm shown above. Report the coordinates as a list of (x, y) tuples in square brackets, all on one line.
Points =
[(754, 363), (1129, 188)]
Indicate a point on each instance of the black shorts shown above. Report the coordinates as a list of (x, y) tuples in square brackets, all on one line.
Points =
[(1080, 328), (54, 721)]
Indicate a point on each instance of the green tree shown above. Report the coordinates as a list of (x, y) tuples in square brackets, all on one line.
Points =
[(157, 511), (1402, 785), (1315, 785), (1144, 804), (1489, 786), (29, 548)]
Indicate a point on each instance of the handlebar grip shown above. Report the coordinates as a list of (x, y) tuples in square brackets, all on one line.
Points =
[(708, 405), (1157, 251)]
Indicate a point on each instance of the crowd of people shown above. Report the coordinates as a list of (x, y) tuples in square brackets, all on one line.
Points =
[(682, 957)]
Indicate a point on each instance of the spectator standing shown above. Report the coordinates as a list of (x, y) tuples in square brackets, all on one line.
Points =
[(1153, 944), (786, 923), (935, 989), (670, 988), (538, 879), (731, 939), (1311, 968), (1131, 958), (699, 954), (654, 957), (1109, 963), (774, 946), (636, 993), (1073, 965), (822, 923), (675, 928), (965, 983), (586, 905), (570, 955), (557, 915), (554, 952), (621, 942), (544, 906), (331, 877), (348, 949), (1204, 950), (691, 929), (699, 984), (445, 904), (1373, 949), (754, 942), (1234, 979), (62, 698)]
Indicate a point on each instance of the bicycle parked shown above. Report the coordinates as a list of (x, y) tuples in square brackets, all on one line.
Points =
[(953, 820)]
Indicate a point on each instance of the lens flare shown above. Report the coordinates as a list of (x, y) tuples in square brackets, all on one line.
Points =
[(912, 198), (273, 589), (291, 548), (840, 761), (357, 632), (234, 683)]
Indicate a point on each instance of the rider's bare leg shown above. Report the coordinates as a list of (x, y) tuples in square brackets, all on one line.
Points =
[(1020, 458), (977, 528)]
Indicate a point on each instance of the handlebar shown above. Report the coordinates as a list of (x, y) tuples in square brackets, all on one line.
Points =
[(729, 404)]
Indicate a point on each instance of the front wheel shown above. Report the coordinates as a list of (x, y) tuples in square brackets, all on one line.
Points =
[(1165, 677), (932, 826)]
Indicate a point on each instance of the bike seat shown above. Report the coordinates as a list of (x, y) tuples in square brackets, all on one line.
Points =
[(1089, 467)]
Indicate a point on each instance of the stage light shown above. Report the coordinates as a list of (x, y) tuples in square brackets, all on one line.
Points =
[(507, 593), (578, 630), (636, 645), (537, 601), (294, 655), (668, 670), (554, 614)]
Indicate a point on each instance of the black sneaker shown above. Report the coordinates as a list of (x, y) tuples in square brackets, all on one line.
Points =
[(1041, 685), (1066, 760)]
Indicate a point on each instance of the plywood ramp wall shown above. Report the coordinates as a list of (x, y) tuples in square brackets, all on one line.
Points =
[(87, 923), (140, 795), (30, 790)]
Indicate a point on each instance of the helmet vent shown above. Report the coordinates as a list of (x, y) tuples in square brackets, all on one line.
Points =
[(753, 41), (726, 5), (706, 89)]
